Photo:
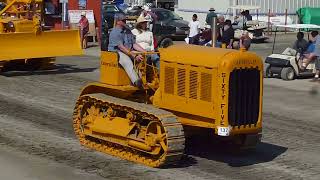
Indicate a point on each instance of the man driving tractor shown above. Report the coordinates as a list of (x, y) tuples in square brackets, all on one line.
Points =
[(122, 40)]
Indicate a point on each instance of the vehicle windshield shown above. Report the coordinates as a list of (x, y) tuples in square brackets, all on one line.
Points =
[(166, 15), (111, 9)]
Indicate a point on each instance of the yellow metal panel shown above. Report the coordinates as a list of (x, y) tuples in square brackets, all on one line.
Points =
[(23, 25), (199, 55), (191, 99), (116, 126), (111, 71), (117, 91), (203, 65), (46, 44)]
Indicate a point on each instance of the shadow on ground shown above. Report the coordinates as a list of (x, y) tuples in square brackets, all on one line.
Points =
[(205, 148), (56, 69)]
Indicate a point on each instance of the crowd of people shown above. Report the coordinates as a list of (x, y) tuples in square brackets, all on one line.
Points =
[(225, 31)]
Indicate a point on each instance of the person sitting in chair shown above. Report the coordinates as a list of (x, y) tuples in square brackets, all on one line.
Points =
[(122, 40), (300, 45)]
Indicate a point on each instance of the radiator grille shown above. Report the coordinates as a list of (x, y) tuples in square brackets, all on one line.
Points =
[(244, 97), (181, 82), (206, 87), (169, 80), (193, 85)]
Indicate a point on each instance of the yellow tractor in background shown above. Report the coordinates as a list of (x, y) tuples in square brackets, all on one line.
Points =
[(23, 40), (195, 88)]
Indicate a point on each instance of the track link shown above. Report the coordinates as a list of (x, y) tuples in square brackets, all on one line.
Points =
[(173, 129)]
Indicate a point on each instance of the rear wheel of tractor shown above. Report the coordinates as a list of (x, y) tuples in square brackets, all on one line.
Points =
[(166, 42), (268, 73), (287, 74)]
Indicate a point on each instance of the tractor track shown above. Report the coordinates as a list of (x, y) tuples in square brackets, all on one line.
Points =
[(36, 118)]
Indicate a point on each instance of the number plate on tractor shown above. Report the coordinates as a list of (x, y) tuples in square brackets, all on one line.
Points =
[(224, 131)]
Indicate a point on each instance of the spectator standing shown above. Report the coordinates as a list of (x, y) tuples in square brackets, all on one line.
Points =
[(146, 13), (194, 26), (84, 29), (316, 53), (220, 26), (209, 17), (248, 15)]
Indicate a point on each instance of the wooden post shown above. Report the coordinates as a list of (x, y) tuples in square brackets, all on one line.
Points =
[(269, 21), (286, 18)]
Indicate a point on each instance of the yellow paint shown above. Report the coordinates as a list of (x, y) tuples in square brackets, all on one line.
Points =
[(26, 41), (197, 90), (46, 44), (209, 62), (111, 71), (116, 126)]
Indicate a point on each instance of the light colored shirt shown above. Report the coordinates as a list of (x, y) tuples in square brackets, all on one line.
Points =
[(144, 39), (194, 28), (120, 36)]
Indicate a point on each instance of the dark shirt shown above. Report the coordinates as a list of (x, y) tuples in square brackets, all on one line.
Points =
[(249, 17), (210, 15), (227, 35), (301, 46)]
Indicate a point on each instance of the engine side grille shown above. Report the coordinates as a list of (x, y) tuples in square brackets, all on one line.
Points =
[(169, 83), (244, 97), (206, 87), (193, 85), (181, 82)]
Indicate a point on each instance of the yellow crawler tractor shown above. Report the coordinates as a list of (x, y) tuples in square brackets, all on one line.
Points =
[(23, 40), (195, 88)]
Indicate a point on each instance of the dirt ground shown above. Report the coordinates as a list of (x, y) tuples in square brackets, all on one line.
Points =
[(37, 139)]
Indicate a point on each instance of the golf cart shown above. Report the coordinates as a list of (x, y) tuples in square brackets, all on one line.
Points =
[(254, 27), (286, 64)]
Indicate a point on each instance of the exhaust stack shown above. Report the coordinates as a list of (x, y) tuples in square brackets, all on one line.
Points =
[(214, 30)]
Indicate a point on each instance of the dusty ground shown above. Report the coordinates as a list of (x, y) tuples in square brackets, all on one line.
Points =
[(37, 140)]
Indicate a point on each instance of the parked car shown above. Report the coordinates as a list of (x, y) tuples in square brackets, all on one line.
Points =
[(170, 21), (109, 10), (134, 11)]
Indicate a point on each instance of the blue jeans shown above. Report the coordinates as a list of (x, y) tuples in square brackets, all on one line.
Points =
[(155, 59)]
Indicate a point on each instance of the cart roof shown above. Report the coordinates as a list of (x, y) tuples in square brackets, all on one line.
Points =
[(244, 7), (300, 26)]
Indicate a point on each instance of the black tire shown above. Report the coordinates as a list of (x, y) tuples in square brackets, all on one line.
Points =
[(267, 72), (288, 74), (166, 42)]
